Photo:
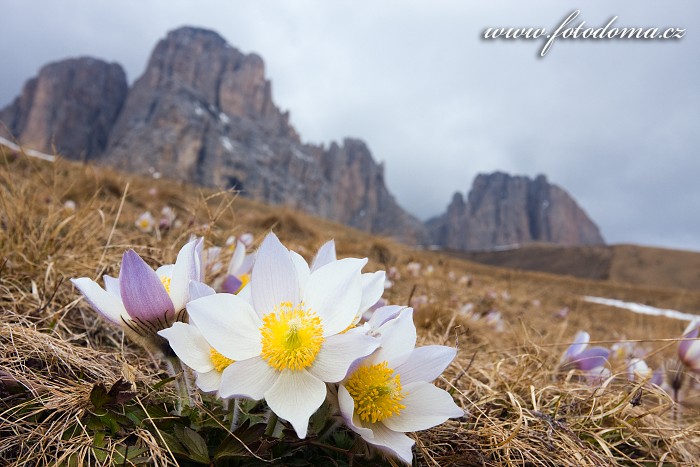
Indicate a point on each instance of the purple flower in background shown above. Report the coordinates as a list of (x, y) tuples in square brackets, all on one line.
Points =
[(238, 274), (591, 361), (141, 300), (689, 349)]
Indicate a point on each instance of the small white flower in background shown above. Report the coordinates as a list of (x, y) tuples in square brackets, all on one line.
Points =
[(689, 348), (69, 205), (429, 270), (144, 301), (238, 272), (394, 273), (145, 222), (246, 239), (637, 370), (153, 191), (465, 280), (390, 392), (286, 337), (413, 268), (419, 301)]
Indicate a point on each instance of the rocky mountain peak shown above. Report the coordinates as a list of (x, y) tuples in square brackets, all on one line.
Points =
[(504, 210)]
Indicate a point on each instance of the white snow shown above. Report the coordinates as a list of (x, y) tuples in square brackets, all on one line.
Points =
[(29, 152), (198, 110), (223, 118), (226, 143), (300, 155), (642, 309)]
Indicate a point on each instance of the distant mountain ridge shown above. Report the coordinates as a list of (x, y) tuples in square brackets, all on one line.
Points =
[(202, 111)]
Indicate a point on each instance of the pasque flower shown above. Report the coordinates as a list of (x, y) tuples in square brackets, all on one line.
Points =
[(390, 392), (238, 273), (591, 361), (142, 300), (287, 341), (689, 348)]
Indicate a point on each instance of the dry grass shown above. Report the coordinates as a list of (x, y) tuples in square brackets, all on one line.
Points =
[(54, 350)]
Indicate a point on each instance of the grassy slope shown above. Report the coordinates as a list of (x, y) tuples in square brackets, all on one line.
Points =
[(518, 408)]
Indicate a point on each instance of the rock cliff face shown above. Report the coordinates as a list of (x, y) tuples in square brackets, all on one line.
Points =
[(203, 112), (503, 210), (70, 107)]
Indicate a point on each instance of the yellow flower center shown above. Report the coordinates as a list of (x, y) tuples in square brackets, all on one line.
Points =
[(291, 337), (220, 362), (144, 224), (376, 391), (166, 283)]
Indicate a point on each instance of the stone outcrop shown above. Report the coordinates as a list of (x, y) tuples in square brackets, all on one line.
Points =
[(504, 211), (69, 108)]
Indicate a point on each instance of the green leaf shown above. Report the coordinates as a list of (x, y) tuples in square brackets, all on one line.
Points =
[(99, 396), (196, 446), (162, 383)]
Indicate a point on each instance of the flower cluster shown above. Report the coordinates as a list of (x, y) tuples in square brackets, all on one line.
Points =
[(291, 334)]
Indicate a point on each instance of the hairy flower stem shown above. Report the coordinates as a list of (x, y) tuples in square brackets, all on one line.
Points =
[(330, 429), (235, 414), (271, 424), (174, 369)]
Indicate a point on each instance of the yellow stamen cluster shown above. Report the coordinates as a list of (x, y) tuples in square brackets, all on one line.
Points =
[(291, 337), (166, 283), (376, 391), (220, 362)]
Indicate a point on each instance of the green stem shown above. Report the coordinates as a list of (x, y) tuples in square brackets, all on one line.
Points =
[(175, 369), (330, 429)]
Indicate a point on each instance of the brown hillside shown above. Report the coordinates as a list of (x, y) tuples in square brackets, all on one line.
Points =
[(519, 410)]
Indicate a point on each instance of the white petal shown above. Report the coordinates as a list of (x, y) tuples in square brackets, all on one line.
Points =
[(295, 396), (112, 286), (347, 410), (209, 381), (338, 352), (398, 338), (372, 289), (425, 363), (384, 314), (426, 406), (397, 443), (246, 295), (579, 345), (199, 290), (302, 268), (247, 378), (185, 270), (237, 258), (165, 270), (189, 345), (102, 301), (325, 255), (229, 324), (274, 277), (334, 293)]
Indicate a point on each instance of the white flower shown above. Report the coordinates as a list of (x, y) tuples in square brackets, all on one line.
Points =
[(145, 222), (287, 341), (390, 392)]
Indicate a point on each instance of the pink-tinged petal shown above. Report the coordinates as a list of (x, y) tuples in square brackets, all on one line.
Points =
[(209, 381), (334, 293), (338, 352), (143, 294), (691, 355), (237, 258), (229, 324), (184, 271), (579, 345), (398, 338), (189, 345), (347, 410), (384, 314), (685, 346), (101, 301), (396, 443), (247, 378), (199, 290), (591, 358), (425, 363), (426, 406), (372, 288), (274, 277), (325, 255), (231, 284), (302, 268), (112, 286), (295, 396)]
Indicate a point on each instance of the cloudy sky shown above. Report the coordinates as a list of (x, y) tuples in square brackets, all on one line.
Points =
[(614, 122)]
